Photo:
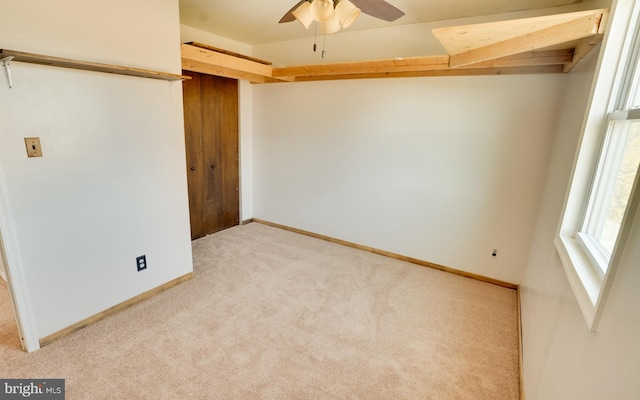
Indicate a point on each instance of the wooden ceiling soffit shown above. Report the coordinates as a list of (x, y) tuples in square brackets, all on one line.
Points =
[(208, 61), (541, 45), (474, 44)]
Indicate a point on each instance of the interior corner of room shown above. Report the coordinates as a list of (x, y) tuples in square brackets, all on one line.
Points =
[(398, 141)]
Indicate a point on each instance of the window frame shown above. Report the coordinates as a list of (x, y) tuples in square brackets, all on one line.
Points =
[(588, 266), (602, 187)]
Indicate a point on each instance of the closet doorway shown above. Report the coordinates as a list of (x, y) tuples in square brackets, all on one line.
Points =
[(211, 138)]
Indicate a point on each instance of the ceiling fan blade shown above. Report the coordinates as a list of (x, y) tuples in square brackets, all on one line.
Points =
[(289, 17), (379, 9)]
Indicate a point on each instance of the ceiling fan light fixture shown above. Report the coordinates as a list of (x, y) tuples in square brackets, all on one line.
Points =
[(304, 15), (322, 10), (332, 25), (347, 13)]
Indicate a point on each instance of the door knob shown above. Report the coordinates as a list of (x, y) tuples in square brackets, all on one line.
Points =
[(213, 166), (193, 168)]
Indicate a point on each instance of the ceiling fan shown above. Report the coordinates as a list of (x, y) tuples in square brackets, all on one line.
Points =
[(334, 14)]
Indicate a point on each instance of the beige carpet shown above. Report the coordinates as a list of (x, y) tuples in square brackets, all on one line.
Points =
[(9, 338), (272, 314)]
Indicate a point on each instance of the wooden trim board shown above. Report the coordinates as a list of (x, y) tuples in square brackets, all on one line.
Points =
[(411, 260), (113, 310), (229, 53), (520, 347), (19, 56)]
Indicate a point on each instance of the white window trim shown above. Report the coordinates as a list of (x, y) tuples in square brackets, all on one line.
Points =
[(597, 254), (589, 285)]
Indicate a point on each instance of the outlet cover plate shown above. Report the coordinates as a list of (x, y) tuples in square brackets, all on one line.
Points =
[(141, 262)]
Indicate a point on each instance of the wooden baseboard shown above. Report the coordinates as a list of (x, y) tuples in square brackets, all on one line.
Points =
[(393, 255), (246, 221), (520, 348), (113, 310)]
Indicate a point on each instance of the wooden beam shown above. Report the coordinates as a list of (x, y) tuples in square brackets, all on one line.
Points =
[(586, 45), (380, 66), (212, 62), (542, 69), (459, 39), (529, 58), (580, 28), (582, 49), (424, 66), (212, 69)]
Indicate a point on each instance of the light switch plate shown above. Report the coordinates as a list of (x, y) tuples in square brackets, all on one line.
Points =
[(33, 147)]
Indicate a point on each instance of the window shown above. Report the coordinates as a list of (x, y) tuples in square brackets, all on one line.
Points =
[(611, 188), (602, 198)]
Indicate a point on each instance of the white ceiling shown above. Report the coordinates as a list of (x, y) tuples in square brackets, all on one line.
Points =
[(256, 21)]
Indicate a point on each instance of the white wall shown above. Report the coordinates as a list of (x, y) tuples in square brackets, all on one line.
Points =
[(440, 169), (563, 359), (112, 183)]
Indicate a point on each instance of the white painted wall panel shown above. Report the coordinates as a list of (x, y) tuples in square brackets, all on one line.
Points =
[(440, 169), (562, 358), (112, 183)]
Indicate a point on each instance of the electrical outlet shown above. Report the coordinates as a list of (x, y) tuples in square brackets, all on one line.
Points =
[(141, 262), (494, 253), (33, 147)]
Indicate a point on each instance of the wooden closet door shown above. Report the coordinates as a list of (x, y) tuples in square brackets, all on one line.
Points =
[(211, 138)]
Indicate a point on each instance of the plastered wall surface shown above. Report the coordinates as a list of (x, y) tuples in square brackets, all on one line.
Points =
[(111, 184), (439, 169)]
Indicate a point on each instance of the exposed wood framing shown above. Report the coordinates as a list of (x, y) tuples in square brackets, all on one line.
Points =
[(474, 44), (367, 67), (212, 62), (578, 29), (541, 45), (545, 69), (585, 46), (230, 53), (541, 62), (529, 58)]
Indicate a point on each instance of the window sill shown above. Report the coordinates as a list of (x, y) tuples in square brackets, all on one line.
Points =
[(585, 282)]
